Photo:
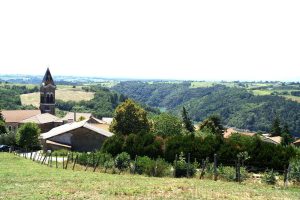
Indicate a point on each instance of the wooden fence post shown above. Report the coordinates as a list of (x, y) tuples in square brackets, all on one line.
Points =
[(63, 166), (215, 167), (75, 162), (66, 167), (56, 160), (96, 164), (155, 169), (175, 165), (188, 167), (135, 161), (45, 157), (286, 175), (203, 168), (239, 170), (31, 155)]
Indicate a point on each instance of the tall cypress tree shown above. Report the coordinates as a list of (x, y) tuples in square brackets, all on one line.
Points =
[(275, 129), (188, 124), (287, 138)]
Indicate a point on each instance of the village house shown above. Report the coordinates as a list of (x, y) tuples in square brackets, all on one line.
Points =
[(75, 136)]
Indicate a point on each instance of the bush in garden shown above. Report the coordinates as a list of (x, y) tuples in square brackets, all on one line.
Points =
[(61, 152), (295, 170), (108, 164), (229, 173), (270, 177), (8, 139), (143, 145), (158, 167), (181, 167), (113, 145), (122, 161), (200, 147)]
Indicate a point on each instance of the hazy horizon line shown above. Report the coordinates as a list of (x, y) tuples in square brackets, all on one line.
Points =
[(152, 78)]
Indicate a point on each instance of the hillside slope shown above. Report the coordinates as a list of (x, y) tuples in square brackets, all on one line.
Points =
[(25, 179), (237, 106)]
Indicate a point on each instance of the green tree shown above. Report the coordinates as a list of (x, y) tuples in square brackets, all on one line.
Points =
[(275, 129), (212, 124), (1, 116), (167, 125), (287, 138), (122, 161), (188, 124), (130, 118), (2, 128), (28, 136)]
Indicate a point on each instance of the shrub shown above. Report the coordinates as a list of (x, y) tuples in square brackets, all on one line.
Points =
[(61, 152), (270, 177), (28, 136), (113, 145), (122, 161), (135, 144), (182, 168), (158, 167), (199, 147), (8, 139), (229, 173), (295, 170)]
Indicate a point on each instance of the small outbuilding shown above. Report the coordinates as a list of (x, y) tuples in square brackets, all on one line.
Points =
[(76, 136)]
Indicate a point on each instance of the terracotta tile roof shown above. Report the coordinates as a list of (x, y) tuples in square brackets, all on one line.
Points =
[(297, 142), (74, 125), (42, 119), (18, 115), (70, 116), (230, 131)]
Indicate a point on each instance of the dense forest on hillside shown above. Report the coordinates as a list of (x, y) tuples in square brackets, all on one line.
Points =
[(10, 96), (237, 106), (103, 104)]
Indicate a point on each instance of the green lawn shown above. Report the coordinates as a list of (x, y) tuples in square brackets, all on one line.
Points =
[(25, 179)]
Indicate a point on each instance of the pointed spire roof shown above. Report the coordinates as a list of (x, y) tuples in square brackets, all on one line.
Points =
[(48, 78)]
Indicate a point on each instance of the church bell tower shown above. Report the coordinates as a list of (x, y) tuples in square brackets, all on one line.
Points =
[(47, 94)]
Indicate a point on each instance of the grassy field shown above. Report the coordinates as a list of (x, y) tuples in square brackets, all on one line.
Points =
[(25, 179), (65, 93)]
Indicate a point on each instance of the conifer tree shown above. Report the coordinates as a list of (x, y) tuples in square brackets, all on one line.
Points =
[(187, 122)]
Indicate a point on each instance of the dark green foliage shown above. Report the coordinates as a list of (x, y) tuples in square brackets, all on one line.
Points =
[(212, 124), (1, 116), (2, 127), (28, 136), (143, 145), (130, 118), (122, 161), (167, 125), (262, 154), (295, 170), (158, 168), (187, 122), (295, 93), (276, 129), (8, 139), (183, 168), (134, 144), (113, 145), (287, 138), (238, 107), (198, 147)]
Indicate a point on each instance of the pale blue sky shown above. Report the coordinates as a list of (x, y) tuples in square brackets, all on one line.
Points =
[(205, 40)]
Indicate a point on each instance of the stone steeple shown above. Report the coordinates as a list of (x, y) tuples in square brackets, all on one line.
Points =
[(47, 94)]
